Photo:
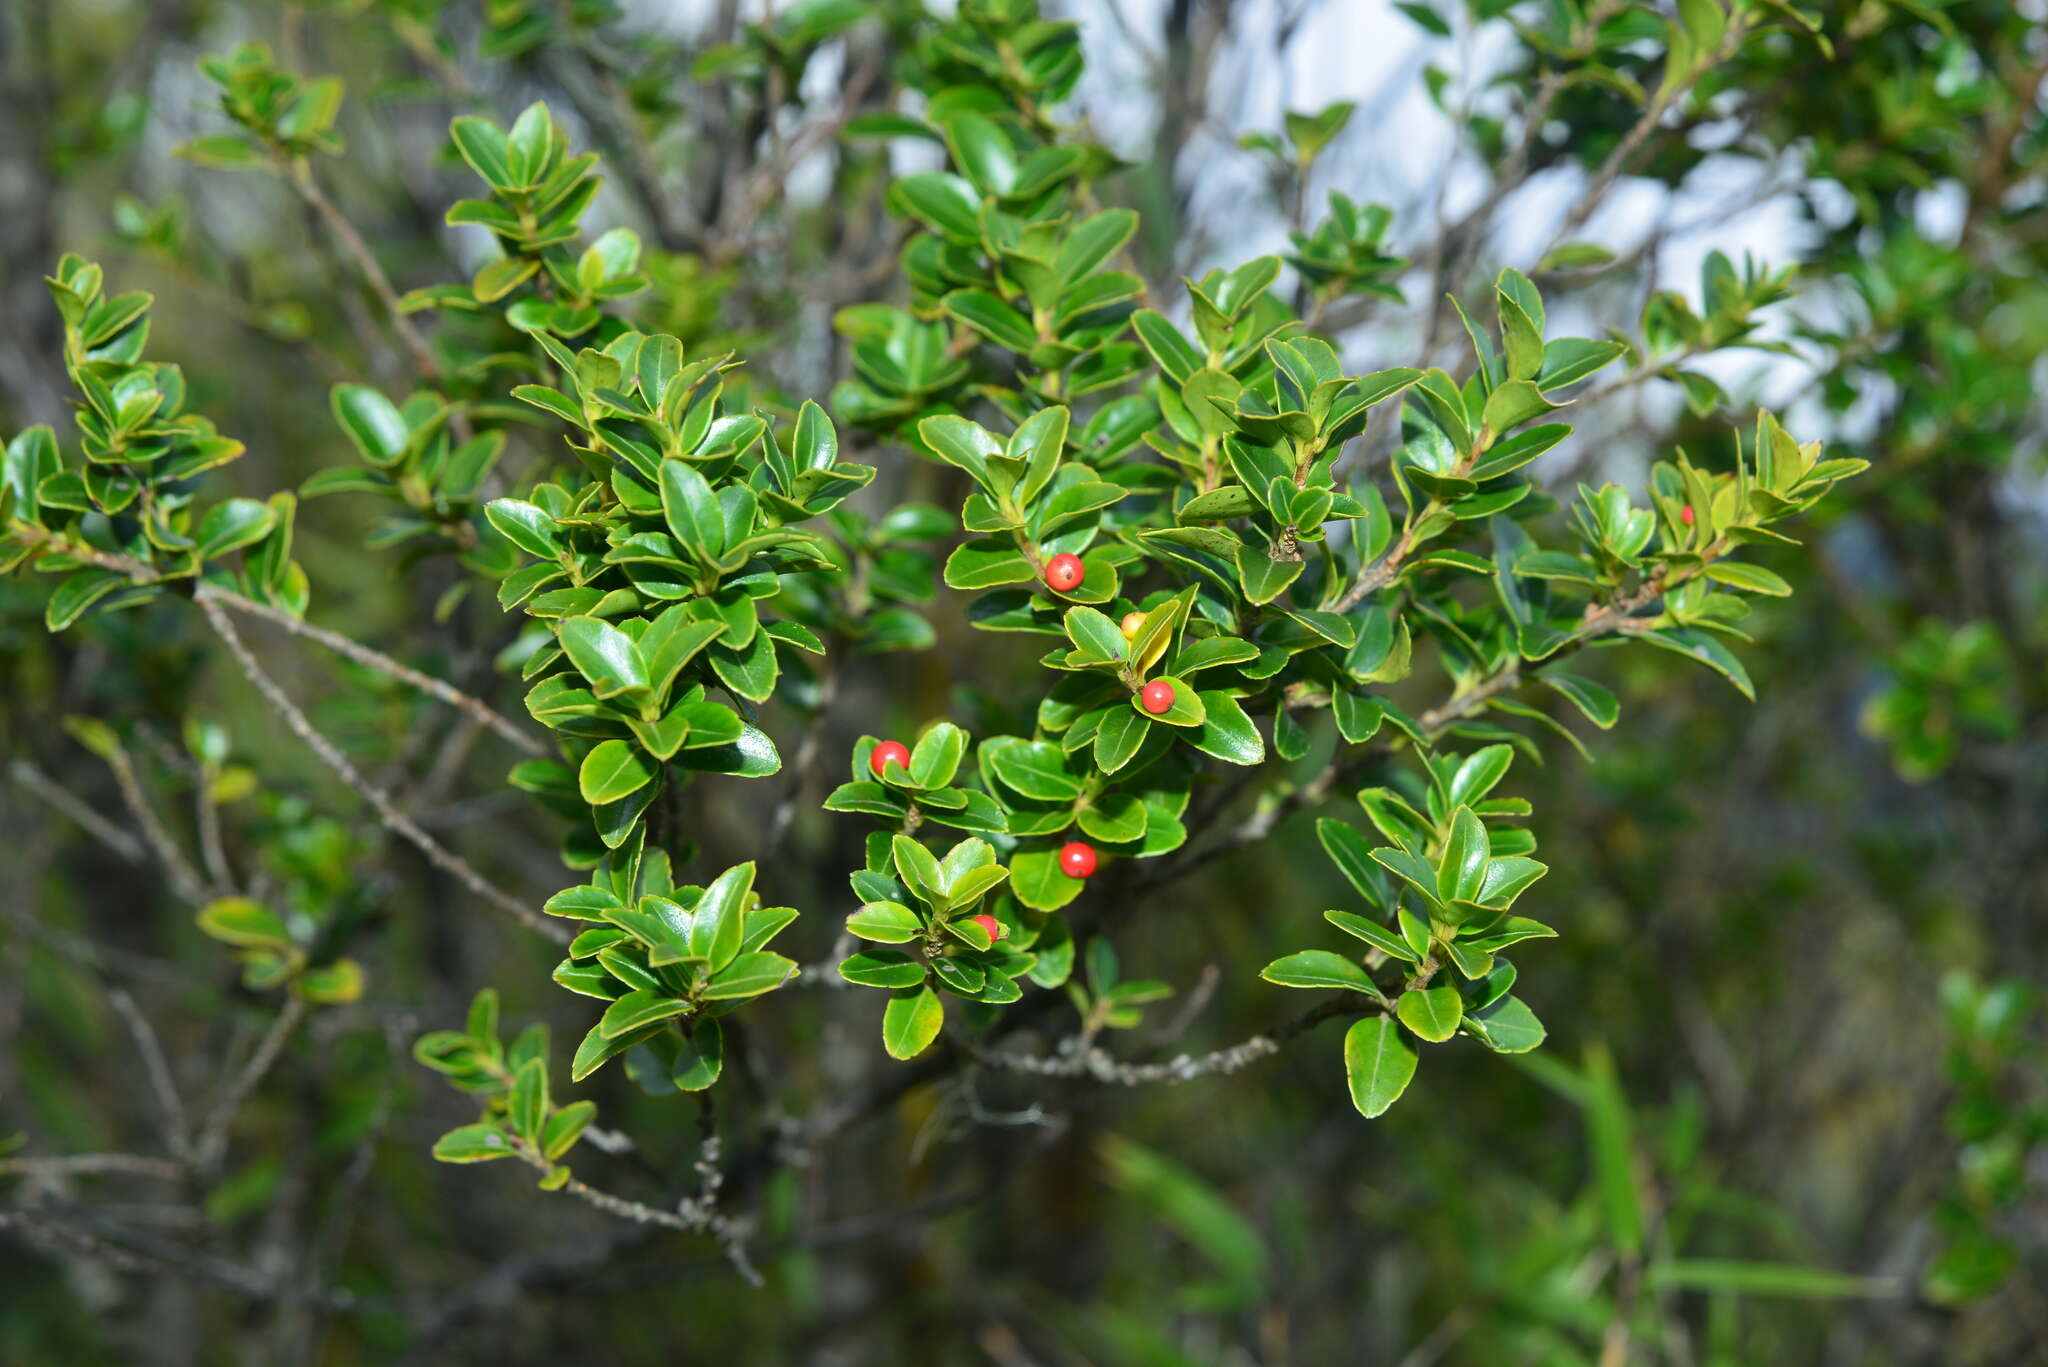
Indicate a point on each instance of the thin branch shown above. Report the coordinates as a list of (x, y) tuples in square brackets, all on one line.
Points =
[(211, 851), (64, 800), (301, 177), (156, 1067), (184, 878), (133, 1252), (66, 1165), (330, 754), (213, 1139), (483, 713), (143, 573), (804, 761), (1094, 1063), (690, 1216)]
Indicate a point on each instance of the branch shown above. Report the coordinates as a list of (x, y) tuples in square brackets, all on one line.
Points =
[(476, 707), (1598, 621), (156, 1066), (369, 658), (132, 1252), (184, 878), (64, 1165), (1077, 1060), (98, 827), (213, 1139), (689, 1216), (301, 177), (437, 853)]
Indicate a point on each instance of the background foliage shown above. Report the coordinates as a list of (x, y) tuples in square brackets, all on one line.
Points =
[(1791, 1105)]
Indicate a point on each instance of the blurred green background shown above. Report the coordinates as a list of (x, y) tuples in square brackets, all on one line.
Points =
[(1791, 1013)]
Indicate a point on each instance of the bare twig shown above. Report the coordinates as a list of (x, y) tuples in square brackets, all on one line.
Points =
[(66, 1165), (213, 1138), (690, 1216), (64, 800), (184, 878), (1090, 1062), (482, 712), (355, 650), (437, 853), (358, 250), (134, 1252), (156, 1067)]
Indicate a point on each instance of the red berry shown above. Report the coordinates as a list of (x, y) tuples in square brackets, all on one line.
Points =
[(989, 924), (1065, 571), (1132, 621), (1685, 514), (1156, 697), (1077, 859), (887, 753)]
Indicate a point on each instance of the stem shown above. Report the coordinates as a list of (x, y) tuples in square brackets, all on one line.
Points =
[(213, 1139), (345, 232), (354, 650), (1084, 1061), (437, 854)]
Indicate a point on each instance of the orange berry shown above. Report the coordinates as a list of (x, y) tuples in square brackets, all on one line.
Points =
[(1065, 572)]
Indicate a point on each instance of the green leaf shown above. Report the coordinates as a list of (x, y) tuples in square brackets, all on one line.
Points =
[(527, 1104), (242, 922), (482, 144), (1462, 869), (1749, 578), (749, 975), (606, 656), (1706, 650), (719, 918), (945, 203), (1119, 738), (984, 153), (886, 922), (1594, 700), (1508, 1026), (525, 526), (597, 1049), (1037, 770), (691, 510), (611, 770), (231, 525), (1610, 1132), (1747, 1278), (1226, 732), (911, 1022), (565, 1127), (1317, 968), (988, 315), (1374, 934), (1185, 710), (371, 422), (1095, 637), (1432, 1013), (890, 968), (936, 756), (1477, 775), (473, 1144), (1262, 577), (1378, 1064), (700, 1056), (638, 1009), (1039, 882)]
